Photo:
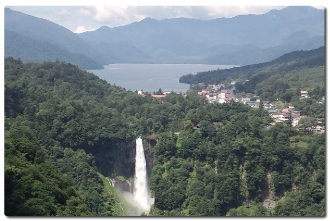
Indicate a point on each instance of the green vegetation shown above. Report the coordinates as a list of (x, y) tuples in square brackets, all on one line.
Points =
[(256, 209), (214, 171), (63, 110), (282, 78), (287, 85), (33, 186), (221, 161), (116, 203)]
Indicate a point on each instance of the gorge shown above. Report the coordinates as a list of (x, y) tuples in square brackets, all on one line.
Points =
[(129, 173)]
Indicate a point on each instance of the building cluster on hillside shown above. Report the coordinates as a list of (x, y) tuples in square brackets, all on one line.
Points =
[(216, 94)]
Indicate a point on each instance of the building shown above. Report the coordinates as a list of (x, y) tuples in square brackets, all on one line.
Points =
[(248, 94), (272, 111), (206, 90), (295, 121), (222, 95), (221, 100), (251, 103), (276, 115), (141, 93), (245, 100), (303, 94), (295, 114), (158, 95), (228, 95)]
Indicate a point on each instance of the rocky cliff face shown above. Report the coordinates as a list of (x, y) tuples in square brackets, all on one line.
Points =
[(267, 194), (118, 158), (115, 159), (150, 160)]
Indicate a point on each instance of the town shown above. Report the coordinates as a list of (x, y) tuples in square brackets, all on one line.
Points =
[(224, 93)]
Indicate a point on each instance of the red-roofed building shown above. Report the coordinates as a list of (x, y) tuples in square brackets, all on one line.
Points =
[(228, 96), (158, 95)]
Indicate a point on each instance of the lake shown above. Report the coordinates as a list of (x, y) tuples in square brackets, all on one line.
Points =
[(151, 77)]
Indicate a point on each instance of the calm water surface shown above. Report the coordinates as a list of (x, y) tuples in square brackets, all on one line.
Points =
[(151, 77)]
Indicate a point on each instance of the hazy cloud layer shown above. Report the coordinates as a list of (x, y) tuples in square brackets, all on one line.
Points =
[(87, 18)]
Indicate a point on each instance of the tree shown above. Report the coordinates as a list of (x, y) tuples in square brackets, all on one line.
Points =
[(308, 122), (290, 120), (160, 92)]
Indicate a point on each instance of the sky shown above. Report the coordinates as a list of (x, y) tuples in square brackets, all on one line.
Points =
[(79, 19)]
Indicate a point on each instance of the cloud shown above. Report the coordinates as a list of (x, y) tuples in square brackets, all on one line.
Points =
[(232, 11), (319, 7), (61, 13), (81, 29), (78, 18), (111, 16)]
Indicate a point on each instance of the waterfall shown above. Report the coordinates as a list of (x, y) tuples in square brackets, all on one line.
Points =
[(141, 190)]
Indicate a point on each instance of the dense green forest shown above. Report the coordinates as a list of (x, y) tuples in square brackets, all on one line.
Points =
[(225, 160), (231, 168)]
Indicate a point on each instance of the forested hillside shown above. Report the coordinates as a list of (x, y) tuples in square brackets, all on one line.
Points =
[(29, 49), (33, 185), (61, 110), (211, 159), (238, 167), (270, 80)]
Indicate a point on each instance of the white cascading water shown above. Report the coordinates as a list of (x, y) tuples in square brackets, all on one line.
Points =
[(141, 191)]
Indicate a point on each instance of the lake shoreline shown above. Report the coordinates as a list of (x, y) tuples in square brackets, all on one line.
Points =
[(152, 77)]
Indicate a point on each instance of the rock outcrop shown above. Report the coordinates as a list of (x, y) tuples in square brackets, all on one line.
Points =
[(123, 185), (115, 159), (267, 194), (118, 158), (148, 144)]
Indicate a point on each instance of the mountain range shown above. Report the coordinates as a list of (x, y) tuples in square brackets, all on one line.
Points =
[(241, 40)]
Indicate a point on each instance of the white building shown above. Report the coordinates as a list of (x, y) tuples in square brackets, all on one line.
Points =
[(303, 94), (295, 121), (222, 100), (222, 95)]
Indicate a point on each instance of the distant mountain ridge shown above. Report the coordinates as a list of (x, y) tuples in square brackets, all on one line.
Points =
[(241, 40), (31, 50), (255, 38), (250, 76)]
